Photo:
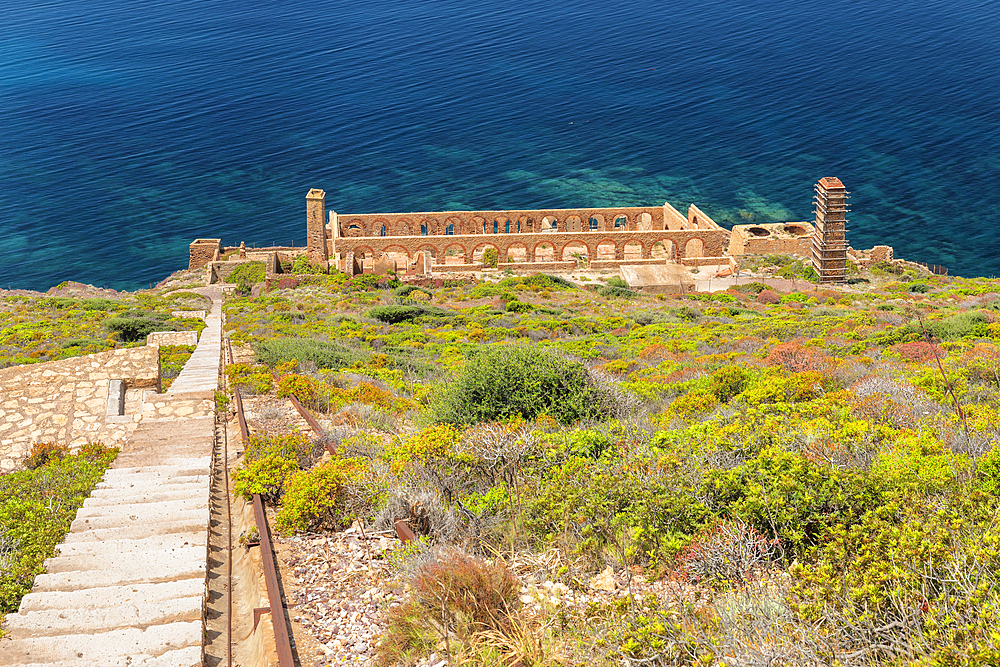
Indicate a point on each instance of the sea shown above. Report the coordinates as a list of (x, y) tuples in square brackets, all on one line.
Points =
[(128, 129)]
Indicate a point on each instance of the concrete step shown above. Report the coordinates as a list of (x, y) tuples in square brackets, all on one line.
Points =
[(138, 520), (169, 469), (185, 657), (144, 509), (139, 531), (99, 619), (111, 596), (160, 494), (151, 482), (106, 648), (123, 547), (155, 568), (159, 563)]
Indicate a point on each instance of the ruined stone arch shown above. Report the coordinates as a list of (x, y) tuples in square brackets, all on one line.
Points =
[(602, 251), (396, 248), (404, 227), (571, 248), (695, 247), (480, 248), (463, 253), (428, 227), (663, 249), (596, 223), (537, 255), (629, 251), (364, 251), (574, 224), (620, 222), (644, 222), (353, 228), (453, 225), (428, 247), (515, 251), (548, 223)]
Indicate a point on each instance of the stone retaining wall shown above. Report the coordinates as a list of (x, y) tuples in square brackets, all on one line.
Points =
[(158, 338), (74, 401)]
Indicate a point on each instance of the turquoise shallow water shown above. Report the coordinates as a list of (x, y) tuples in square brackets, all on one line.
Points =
[(126, 131)]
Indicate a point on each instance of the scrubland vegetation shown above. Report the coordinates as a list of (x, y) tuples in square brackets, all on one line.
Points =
[(37, 505), (773, 479), (41, 328)]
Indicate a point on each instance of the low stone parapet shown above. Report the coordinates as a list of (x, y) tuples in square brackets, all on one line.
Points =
[(158, 338)]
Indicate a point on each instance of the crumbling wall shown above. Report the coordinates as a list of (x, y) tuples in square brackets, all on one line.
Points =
[(72, 402), (203, 251), (781, 238)]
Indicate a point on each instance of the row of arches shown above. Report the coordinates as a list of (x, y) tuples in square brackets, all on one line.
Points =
[(541, 251), (459, 226)]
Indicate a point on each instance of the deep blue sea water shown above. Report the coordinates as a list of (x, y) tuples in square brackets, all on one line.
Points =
[(127, 129)]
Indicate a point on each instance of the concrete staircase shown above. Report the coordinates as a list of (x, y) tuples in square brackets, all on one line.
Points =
[(128, 585)]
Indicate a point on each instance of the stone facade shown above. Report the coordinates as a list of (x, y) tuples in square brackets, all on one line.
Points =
[(98, 397), (203, 251), (785, 238), (367, 237)]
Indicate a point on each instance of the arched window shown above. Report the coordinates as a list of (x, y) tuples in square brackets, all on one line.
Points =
[(450, 230), (496, 227), (382, 231), (508, 228), (593, 224), (423, 230)]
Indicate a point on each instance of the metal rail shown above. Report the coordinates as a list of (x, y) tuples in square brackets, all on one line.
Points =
[(313, 423), (282, 640)]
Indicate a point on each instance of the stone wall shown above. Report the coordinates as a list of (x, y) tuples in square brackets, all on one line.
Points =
[(677, 243), (71, 402), (782, 238), (203, 251), (158, 338)]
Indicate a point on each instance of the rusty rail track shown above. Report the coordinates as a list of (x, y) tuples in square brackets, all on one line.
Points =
[(313, 423), (282, 638)]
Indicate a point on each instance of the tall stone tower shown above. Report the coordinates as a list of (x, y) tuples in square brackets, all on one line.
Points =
[(829, 244), (316, 227)]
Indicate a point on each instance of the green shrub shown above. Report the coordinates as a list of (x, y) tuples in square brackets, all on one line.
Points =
[(36, 509), (516, 306), (783, 494), (491, 257), (920, 577), (617, 281), (404, 291), (504, 381), (43, 452), (306, 351), (303, 265), (729, 381), (616, 292), (252, 272), (131, 329), (395, 314), (317, 499), (265, 475), (988, 471), (584, 505), (249, 379)]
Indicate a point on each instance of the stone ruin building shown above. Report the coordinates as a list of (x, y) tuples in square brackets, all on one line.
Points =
[(540, 240)]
